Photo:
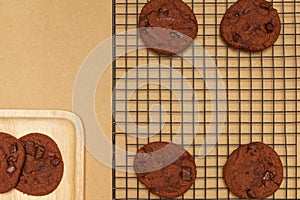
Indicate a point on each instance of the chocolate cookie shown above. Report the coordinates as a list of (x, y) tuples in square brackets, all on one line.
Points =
[(12, 156), (166, 169), (252, 25), (43, 168), (253, 171), (167, 26)]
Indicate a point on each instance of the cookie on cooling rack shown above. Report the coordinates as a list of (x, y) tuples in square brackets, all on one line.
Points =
[(252, 25), (12, 156), (43, 168), (167, 26), (166, 169), (253, 171)]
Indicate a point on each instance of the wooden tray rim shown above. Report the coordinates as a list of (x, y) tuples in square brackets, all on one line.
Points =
[(58, 114)]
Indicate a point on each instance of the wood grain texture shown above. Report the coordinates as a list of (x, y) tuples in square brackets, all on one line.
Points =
[(65, 129)]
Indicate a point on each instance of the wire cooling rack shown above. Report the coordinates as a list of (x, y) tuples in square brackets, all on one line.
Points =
[(262, 92)]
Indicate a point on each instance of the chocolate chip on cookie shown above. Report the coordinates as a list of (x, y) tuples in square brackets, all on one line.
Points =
[(12, 156), (43, 168), (252, 25), (166, 169), (253, 171), (167, 26)]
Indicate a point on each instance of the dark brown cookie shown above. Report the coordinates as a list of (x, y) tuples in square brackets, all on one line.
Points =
[(253, 171), (12, 156), (43, 168), (166, 169), (252, 25), (167, 26)]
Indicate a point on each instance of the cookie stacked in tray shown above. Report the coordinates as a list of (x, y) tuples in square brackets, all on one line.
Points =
[(32, 164)]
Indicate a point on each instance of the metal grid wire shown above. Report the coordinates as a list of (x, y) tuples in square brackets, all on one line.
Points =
[(262, 99)]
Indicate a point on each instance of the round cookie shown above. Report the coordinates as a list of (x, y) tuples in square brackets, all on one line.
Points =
[(253, 171), (12, 156), (166, 169), (43, 168), (167, 26), (251, 25)]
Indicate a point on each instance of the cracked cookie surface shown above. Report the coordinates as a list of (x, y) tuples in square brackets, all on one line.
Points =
[(253, 171), (167, 26), (43, 167), (166, 169), (252, 25), (12, 156)]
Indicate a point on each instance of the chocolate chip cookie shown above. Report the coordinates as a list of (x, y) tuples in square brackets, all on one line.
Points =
[(252, 25), (166, 169), (253, 171), (12, 156), (167, 26), (43, 168)]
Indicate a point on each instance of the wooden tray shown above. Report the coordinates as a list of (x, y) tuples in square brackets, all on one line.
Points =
[(62, 126)]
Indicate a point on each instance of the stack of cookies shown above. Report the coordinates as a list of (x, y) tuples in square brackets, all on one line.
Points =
[(32, 164)]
